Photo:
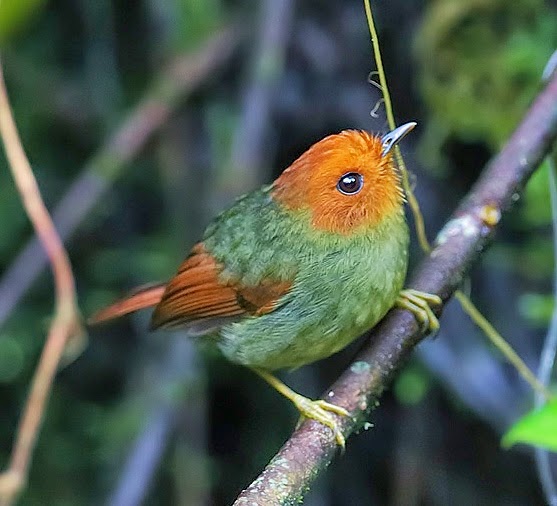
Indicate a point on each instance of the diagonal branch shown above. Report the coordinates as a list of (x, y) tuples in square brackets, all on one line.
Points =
[(312, 447)]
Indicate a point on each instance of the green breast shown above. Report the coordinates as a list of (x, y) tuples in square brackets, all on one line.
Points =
[(343, 285)]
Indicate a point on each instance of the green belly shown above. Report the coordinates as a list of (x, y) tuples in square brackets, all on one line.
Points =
[(336, 297)]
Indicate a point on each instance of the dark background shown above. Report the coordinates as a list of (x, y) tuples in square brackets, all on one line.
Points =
[(152, 416)]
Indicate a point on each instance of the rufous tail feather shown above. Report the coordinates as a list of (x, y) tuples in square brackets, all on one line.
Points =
[(141, 298)]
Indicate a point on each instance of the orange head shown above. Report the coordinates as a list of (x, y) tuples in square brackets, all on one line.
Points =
[(346, 181)]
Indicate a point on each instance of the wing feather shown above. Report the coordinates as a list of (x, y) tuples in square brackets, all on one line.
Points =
[(196, 295)]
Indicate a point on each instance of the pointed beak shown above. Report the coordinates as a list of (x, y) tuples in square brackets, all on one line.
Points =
[(393, 138)]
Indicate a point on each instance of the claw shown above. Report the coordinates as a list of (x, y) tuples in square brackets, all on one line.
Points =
[(320, 411), (419, 304)]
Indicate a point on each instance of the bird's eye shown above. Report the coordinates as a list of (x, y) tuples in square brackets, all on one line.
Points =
[(350, 183)]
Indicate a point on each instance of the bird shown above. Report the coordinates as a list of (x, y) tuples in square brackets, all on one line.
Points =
[(293, 272)]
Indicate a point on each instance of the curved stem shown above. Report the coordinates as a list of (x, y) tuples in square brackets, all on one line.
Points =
[(66, 320)]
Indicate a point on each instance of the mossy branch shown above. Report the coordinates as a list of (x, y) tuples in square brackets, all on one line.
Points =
[(461, 242)]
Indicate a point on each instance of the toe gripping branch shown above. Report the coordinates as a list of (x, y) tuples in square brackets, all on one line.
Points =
[(419, 304), (322, 411)]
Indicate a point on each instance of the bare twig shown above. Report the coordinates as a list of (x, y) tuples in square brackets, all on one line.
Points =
[(312, 446), (251, 139), (179, 370), (144, 459), (467, 305), (181, 79), (66, 321)]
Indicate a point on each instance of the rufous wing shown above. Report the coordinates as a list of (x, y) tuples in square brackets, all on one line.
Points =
[(197, 299)]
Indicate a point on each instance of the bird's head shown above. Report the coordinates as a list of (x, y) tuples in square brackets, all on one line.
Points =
[(346, 181)]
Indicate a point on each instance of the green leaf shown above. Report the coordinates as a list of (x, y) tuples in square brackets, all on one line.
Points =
[(538, 428), (15, 15), (412, 386)]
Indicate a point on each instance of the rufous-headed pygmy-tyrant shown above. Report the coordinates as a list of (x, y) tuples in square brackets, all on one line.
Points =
[(295, 271)]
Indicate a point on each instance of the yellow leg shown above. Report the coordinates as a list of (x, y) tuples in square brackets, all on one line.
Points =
[(418, 303), (319, 410)]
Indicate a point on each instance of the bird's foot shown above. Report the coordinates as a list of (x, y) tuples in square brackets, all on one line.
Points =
[(419, 304), (321, 411)]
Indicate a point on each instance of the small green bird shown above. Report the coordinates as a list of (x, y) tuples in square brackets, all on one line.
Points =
[(295, 271)]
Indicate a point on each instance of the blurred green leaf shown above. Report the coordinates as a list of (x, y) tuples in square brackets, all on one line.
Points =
[(195, 19), (537, 208), (411, 386), (11, 359), (15, 15), (536, 307), (481, 63), (537, 428)]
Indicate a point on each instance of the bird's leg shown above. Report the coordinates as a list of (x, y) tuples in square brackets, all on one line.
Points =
[(318, 410), (419, 304)]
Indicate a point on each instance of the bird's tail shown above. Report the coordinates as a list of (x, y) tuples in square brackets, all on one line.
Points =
[(143, 297)]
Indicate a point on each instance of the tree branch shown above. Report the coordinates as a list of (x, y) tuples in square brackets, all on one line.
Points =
[(311, 447)]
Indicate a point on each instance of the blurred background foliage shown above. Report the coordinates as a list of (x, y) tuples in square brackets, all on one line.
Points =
[(144, 418)]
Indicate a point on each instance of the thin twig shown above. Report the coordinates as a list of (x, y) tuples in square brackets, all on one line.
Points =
[(251, 138), (466, 303), (489, 330), (66, 322), (412, 200), (312, 446)]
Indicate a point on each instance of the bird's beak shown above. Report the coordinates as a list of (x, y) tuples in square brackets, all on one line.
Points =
[(393, 138)]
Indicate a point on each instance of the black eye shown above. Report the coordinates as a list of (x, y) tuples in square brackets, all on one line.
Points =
[(350, 183)]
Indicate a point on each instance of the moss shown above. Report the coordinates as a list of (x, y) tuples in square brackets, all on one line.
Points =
[(480, 64)]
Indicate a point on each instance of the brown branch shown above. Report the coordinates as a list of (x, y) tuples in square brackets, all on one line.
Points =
[(311, 447), (66, 323), (182, 77)]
